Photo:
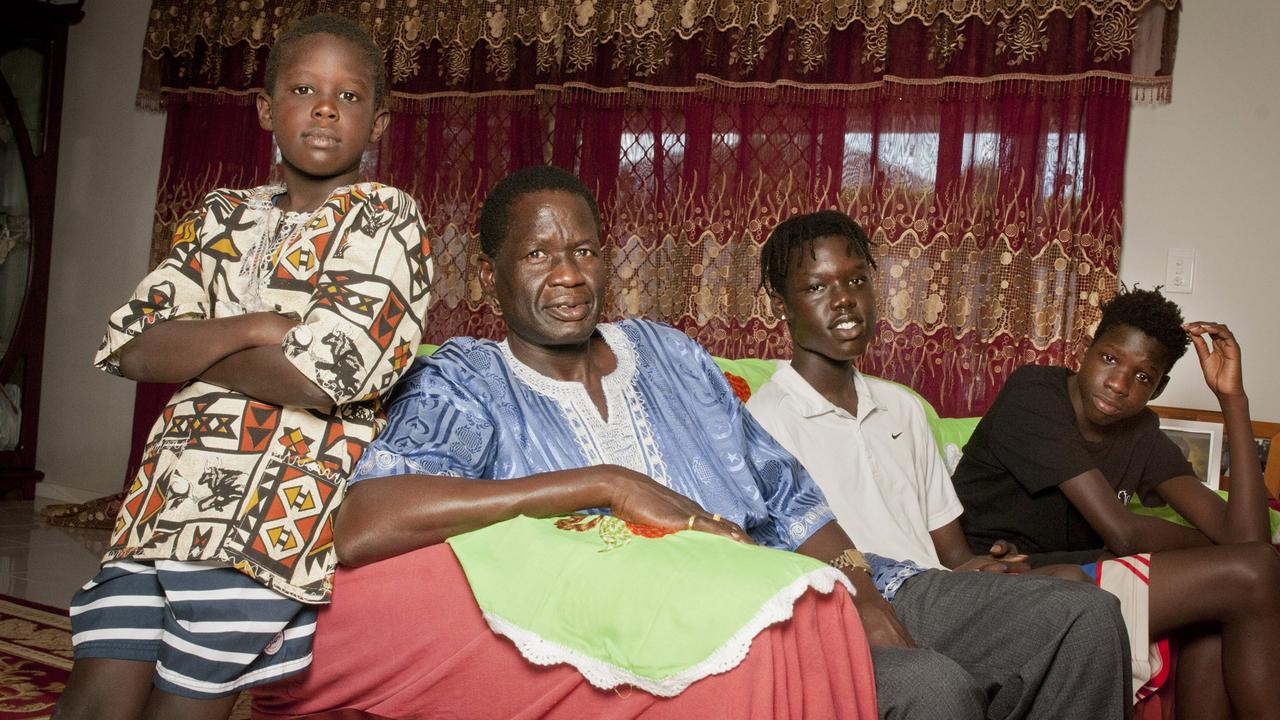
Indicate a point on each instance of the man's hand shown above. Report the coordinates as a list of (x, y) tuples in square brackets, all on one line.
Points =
[(987, 563), (1221, 367), (1005, 550), (879, 620), (1003, 558), (638, 498)]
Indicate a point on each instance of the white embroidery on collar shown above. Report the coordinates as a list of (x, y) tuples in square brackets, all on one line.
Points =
[(627, 438)]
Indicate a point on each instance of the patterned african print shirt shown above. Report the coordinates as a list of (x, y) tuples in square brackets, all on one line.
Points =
[(225, 477)]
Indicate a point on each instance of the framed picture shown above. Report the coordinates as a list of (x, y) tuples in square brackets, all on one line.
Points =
[(1201, 445)]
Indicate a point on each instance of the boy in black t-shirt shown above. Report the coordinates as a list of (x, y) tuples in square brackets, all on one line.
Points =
[(1052, 463), (1017, 457)]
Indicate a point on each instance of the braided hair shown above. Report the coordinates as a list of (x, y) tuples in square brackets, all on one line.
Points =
[(799, 232)]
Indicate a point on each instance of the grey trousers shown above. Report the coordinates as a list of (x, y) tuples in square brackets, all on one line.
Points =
[(1005, 647)]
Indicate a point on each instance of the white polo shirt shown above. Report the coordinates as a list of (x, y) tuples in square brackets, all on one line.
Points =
[(881, 471)]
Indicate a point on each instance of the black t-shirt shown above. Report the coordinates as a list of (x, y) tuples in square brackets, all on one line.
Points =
[(1027, 444)]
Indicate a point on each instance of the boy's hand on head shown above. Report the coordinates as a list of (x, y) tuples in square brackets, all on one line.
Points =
[(1221, 364)]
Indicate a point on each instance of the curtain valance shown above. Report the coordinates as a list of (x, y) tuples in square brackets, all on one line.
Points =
[(215, 50)]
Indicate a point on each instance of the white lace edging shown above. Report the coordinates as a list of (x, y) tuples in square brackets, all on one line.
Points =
[(604, 675), (565, 391)]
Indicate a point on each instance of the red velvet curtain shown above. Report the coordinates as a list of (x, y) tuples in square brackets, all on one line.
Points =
[(996, 212)]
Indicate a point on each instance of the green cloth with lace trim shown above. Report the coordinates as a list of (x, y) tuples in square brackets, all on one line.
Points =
[(629, 604)]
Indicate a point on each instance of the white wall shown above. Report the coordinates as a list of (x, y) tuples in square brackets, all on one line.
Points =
[(107, 173), (1204, 173)]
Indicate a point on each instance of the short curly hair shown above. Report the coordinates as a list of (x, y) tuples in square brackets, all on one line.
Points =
[(339, 26), (495, 215), (1155, 315), (799, 232)]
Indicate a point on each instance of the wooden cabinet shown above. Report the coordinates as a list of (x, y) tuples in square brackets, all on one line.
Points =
[(33, 43)]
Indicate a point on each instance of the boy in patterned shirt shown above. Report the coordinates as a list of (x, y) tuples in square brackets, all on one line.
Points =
[(288, 312)]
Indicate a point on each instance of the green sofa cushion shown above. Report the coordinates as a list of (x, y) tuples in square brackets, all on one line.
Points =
[(755, 371), (1164, 512)]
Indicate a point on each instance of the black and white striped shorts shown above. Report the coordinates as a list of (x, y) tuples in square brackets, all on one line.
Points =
[(211, 630)]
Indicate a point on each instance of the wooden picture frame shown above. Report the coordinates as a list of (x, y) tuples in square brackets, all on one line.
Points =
[(1261, 429), (1201, 445)]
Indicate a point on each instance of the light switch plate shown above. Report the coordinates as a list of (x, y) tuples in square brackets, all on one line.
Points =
[(1180, 273)]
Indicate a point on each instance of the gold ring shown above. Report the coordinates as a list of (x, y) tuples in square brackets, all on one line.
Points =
[(716, 517), (691, 519)]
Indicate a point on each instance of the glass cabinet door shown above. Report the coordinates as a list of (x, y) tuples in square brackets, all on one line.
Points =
[(33, 41), (22, 72)]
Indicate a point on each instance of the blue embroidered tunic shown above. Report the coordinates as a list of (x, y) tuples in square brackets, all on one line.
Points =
[(474, 410)]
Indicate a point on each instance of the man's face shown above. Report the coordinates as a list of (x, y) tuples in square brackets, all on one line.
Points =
[(829, 300), (1120, 373), (322, 110), (548, 276)]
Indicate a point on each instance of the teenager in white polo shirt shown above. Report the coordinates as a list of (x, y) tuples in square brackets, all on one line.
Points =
[(864, 439), (867, 443)]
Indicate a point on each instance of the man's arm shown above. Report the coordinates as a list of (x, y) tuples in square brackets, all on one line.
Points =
[(1123, 532), (936, 488), (387, 516), (878, 617), (179, 350)]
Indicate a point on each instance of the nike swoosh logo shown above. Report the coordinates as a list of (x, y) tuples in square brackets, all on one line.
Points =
[(895, 435)]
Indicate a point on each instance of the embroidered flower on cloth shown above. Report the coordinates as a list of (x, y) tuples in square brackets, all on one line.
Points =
[(647, 531), (614, 532)]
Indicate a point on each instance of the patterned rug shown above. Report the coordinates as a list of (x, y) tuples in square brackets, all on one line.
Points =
[(35, 660)]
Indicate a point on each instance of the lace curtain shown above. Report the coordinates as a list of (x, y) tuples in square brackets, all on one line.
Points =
[(996, 220), (980, 142)]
